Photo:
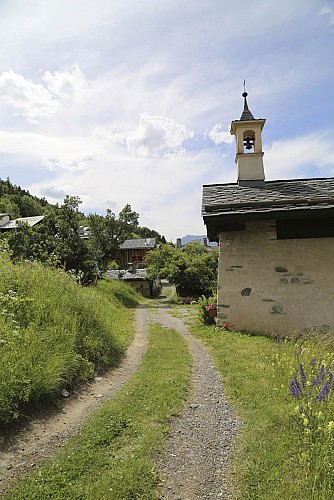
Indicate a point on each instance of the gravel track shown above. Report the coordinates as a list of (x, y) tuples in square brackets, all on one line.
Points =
[(196, 458)]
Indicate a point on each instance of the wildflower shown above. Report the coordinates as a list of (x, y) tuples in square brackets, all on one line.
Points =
[(330, 426), (302, 375), (306, 421), (210, 308), (323, 393), (294, 387)]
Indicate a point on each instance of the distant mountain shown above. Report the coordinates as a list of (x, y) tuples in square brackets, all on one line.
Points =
[(191, 237)]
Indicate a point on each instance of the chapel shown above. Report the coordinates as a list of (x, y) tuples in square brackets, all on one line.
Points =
[(276, 243)]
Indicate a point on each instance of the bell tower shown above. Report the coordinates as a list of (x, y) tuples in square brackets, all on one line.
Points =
[(249, 154)]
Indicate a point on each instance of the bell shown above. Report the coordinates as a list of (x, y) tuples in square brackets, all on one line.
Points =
[(249, 142)]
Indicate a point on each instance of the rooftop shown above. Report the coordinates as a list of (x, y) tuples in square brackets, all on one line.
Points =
[(138, 243), (272, 196), (138, 274), (31, 221)]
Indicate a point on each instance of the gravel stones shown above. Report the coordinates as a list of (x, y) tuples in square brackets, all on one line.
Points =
[(196, 457)]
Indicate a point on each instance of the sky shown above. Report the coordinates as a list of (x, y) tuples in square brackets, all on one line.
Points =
[(128, 101)]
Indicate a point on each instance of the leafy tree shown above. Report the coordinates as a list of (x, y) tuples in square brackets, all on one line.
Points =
[(128, 222), (28, 205), (193, 270), (145, 232), (7, 205), (104, 237), (57, 239), (106, 234)]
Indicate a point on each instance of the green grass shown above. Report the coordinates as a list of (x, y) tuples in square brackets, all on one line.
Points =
[(112, 458), (55, 333), (276, 456)]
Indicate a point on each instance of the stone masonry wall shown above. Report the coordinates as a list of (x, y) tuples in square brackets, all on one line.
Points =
[(275, 286)]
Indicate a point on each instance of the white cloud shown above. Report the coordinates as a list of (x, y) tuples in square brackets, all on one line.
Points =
[(155, 136), (328, 11), (218, 135), (68, 85), (295, 157), (33, 101)]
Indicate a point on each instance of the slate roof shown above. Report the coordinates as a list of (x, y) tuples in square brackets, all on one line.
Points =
[(31, 221), (138, 243), (246, 114), (139, 274), (273, 197)]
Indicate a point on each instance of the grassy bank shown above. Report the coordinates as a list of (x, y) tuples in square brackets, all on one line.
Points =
[(284, 394), (111, 457), (54, 333)]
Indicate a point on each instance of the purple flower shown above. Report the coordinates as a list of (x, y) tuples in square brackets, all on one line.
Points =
[(302, 375), (323, 393), (294, 387)]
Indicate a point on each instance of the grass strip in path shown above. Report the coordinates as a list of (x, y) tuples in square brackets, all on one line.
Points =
[(111, 459)]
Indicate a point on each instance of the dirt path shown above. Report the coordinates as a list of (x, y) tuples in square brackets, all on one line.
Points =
[(195, 460), (38, 439)]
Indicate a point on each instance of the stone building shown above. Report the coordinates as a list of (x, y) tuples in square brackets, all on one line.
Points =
[(276, 241)]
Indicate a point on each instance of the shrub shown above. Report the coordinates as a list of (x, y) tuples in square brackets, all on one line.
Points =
[(206, 306)]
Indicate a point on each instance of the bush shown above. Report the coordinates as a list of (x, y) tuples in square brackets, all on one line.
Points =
[(206, 306)]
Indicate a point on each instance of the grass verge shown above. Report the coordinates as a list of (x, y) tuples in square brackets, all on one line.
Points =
[(111, 459), (286, 446), (55, 333)]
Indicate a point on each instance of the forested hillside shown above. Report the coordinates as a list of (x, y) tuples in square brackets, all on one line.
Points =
[(18, 202)]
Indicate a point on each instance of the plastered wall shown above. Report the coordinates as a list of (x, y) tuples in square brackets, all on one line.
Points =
[(275, 286)]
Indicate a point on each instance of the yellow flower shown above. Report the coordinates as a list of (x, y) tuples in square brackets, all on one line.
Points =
[(306, 421), (330, 426)]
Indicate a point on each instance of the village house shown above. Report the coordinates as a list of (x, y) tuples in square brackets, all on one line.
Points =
[(276, 239), (138, 279), (134, 251), (7, 224)]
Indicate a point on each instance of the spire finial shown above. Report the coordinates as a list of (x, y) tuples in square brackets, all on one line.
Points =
[(246, 115), (244, 94)]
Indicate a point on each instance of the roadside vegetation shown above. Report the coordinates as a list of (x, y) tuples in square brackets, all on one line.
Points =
[(192, 269), (55, 333), (112, 456), (283, 391)]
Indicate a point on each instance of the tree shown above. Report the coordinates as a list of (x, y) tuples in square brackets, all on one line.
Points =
[(57, 239), (103, 237), (128, 222), (106, 234), (193, 270)]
